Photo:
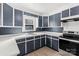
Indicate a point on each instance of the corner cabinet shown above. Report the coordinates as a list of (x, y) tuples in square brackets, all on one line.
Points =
[(18, 17), (7, 15), (48, 41), (43, 40)]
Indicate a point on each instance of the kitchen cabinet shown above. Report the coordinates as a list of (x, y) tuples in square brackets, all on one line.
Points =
[(18, 17), (43, 42), (55, 44), (51, 20), (37, 43), (21, 47), (0, 14), (7, 15), (45, 21), (74, 11), (55, 20), (48, 42), (30, 46), (65, 13), (40, 21)]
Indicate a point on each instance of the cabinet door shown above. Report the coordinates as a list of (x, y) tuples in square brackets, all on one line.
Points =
[(45, 21), (55, 44), (54, 20), (7, 15), (48, 42), (18, 17), (57, 19), (30, 46), (21, 47), (51, 21), (42, 42), (40, 21), (65, 13), (74, 11), (37, 43)]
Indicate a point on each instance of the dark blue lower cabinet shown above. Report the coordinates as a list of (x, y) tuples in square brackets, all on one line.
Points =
[(55, 44), (21, 47), (48, 42), (37, 44), (30, 46), (42, 42)]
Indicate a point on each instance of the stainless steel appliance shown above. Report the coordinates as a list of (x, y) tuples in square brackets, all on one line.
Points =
[(70, 42)]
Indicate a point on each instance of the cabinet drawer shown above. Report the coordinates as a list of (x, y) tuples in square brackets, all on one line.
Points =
[(20, 40), (29, 38), (42, 35), (37, 36), (54, 37)]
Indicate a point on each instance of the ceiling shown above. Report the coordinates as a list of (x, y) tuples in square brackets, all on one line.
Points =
[(40, 8)]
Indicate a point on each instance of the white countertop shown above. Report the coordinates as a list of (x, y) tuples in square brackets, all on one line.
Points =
[(22, 35)]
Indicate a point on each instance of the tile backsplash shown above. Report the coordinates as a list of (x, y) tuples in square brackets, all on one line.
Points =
[(71, 26), (9, 30)]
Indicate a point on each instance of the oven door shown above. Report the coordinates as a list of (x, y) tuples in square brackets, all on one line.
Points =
[(68, 46)]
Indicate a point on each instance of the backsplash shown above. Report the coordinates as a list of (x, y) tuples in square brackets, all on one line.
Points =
[(71, 26), (9, 30), (51, 29)]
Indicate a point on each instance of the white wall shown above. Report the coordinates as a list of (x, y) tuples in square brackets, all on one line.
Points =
[(71, 26)]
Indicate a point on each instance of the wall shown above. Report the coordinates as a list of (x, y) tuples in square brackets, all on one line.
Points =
[(71, 26)]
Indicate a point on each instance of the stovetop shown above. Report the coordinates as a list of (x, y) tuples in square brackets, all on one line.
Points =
[(70, 36)]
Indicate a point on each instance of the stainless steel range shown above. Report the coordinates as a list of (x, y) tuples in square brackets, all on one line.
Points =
[(70, 42)]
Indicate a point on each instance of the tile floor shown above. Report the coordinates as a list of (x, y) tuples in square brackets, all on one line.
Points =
[(45, 51)]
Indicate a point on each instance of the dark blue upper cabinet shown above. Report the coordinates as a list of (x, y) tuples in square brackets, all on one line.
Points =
[(74, 11), (57, 19), (45, 21), (40, 21), (51, 20), (18, 17), (54, 20), (65, 13), (7, 15), (0, 14)]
